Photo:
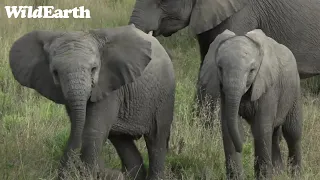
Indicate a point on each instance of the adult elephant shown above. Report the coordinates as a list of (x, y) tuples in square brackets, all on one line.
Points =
[(293, 23)]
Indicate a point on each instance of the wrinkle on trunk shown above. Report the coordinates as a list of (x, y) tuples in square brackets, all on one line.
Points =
[(76, 88), (78, 114), (232, 103)]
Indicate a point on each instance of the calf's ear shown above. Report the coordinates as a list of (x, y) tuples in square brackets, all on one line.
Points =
[(269, 67), (124, 56), (30, 66)]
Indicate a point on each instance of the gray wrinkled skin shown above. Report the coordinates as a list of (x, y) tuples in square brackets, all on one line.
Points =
[(259, 81), (116, 83), (290, 22)]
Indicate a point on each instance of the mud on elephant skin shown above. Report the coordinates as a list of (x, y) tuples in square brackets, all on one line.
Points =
[(259, 81), (115, 83)]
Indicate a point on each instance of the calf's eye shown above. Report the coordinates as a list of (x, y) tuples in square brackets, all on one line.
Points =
[(55, 73)]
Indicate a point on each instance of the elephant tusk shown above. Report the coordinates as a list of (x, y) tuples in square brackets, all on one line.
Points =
[(132, 25), (150, 33)]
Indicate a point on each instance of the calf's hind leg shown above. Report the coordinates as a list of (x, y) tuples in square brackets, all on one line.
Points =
[(157, 140), (276, 152), (292, 132), (131, 159)]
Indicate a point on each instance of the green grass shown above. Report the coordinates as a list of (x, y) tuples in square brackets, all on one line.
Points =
[(33, 130)]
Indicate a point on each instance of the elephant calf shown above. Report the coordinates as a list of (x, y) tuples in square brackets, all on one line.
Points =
[(258, 80), (115, 83)]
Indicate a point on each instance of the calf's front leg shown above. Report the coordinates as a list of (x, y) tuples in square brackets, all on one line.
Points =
[(100, 118), (262, 130)]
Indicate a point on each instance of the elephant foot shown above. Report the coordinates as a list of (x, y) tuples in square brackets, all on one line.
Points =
[(278, 168)]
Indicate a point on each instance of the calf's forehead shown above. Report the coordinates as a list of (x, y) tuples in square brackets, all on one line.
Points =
[(239, 47)]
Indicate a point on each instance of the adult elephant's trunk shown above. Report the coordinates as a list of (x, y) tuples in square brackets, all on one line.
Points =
[(145, 16), (231, 106), (76, 88)]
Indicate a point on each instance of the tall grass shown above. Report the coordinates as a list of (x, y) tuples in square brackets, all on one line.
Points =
[(33, 130)]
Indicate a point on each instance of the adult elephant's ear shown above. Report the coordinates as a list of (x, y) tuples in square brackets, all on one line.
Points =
[(269, 68), (30, 65), (207, 14), (124, 56)]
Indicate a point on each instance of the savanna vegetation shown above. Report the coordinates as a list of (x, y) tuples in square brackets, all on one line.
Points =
[(33, 130)]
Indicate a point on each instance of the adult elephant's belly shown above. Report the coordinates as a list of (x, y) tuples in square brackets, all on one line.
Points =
[(307, 54), (138, 107), (300, 31)]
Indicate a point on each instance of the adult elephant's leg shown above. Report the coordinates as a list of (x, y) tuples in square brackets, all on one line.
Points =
[(157, 140), (204, 41), (276, 152), (131, 159), (292, 132), (100, 118), (206, 104)]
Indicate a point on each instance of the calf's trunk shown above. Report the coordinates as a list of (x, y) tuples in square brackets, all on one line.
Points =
[(76, 91), (231, 106)]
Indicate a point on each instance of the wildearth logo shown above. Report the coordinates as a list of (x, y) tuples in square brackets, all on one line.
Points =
[(46, 12)]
